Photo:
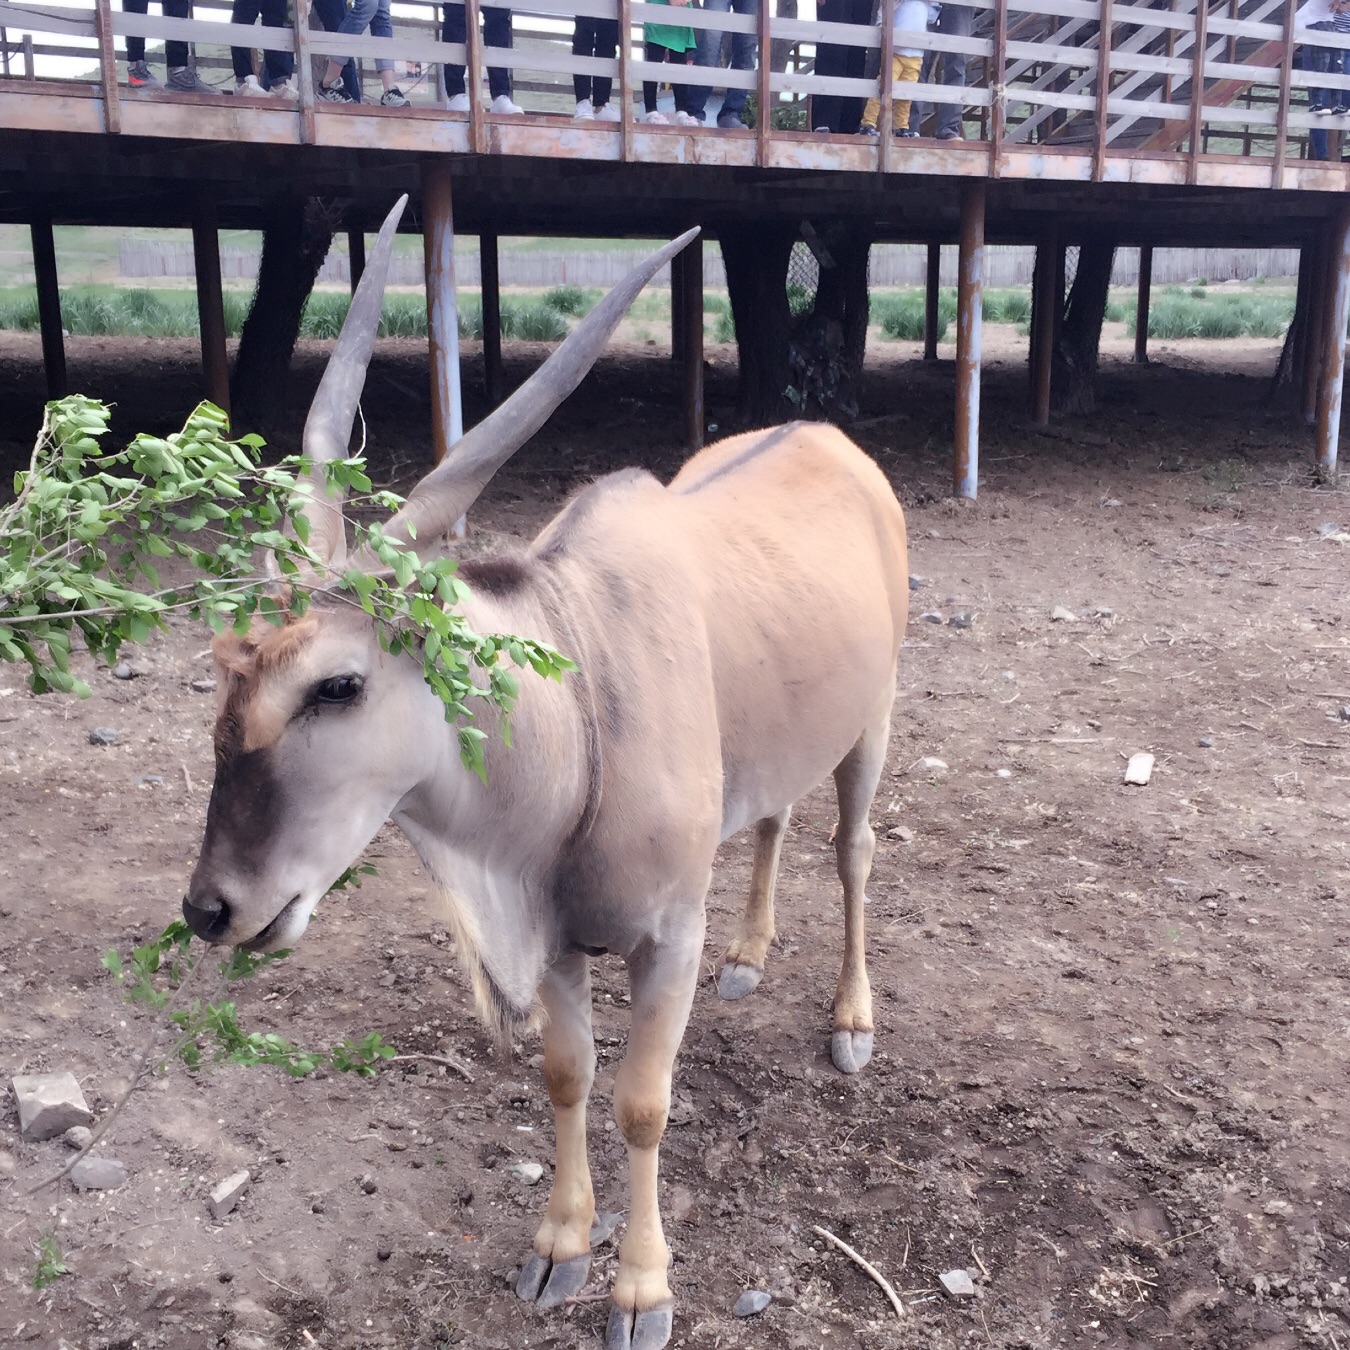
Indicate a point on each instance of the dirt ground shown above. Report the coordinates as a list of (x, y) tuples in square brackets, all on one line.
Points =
[(1111, 1025)]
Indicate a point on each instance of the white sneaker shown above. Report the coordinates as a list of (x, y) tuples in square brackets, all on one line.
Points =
[(607, 112), (656, 119), (285, 89), (458, 103), (585, 112), (249, 85), (503, 107), (684, 119)]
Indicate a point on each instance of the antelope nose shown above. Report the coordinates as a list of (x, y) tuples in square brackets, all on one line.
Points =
[(208, 916)]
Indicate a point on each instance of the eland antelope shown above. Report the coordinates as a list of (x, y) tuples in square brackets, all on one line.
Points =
[(735, 633)]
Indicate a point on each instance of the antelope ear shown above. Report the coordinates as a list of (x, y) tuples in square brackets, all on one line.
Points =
[(233, 653)]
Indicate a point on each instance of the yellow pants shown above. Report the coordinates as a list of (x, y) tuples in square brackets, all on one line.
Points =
[(902, 68)]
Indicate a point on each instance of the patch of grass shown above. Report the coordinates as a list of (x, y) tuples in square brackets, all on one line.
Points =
[(1009, 306), (573, 301), (1174, 315), (901, 316), (51, 1262), (715, 304), (533, 322), (725, 328), (800, 299)]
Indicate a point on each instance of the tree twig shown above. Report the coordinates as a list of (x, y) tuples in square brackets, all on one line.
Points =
[(449, 1061), (864, 1265)]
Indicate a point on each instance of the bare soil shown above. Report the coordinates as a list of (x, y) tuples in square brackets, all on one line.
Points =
[(1111, 1034)]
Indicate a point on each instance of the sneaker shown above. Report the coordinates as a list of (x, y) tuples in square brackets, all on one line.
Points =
[(331, 93), (821, 131), (1321, 112), (730, 122), (684, 119), (286, 88), (458, 103), (950, 134), (870, 131), (249, 85), (185, 80), (503, 107), (905, 134), (139, 76), (607, 112), (656, 119), (585, 112), (394, 97)]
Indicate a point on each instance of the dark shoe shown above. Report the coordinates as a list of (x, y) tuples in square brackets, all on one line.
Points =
[(332, 93), (139, 76), (950, 136), (869, 131), (394, 98), (729, 122), (1322, 112), (185, 80), (905, 134)]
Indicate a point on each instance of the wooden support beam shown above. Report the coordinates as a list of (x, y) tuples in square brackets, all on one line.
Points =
[(1332, 374), (1302, 306), (210, 298), (931, 302), (691, 340), (107, 66), (1312, 359), (763, 96), (1197, 89), (625, 81), (1141, 304), (998, 109), (1102, 91), (677, 329), (886, 73), (356, 256), (304, 70), (438, 254), (49, 305), (474, 73), (490, 277), (969, 323), (1044, 291)]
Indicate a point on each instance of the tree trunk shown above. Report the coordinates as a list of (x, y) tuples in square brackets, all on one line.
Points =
[(756, 260), (828, 347), (1076, 351), (296, 238)]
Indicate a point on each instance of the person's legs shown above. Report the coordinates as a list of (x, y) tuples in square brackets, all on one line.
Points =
[(176, 55), (1317, 60), (583, 44), (331, 13), (955, 21), (831, 59), (905, 69), (653, 52), (743, 46), (497, 33), (280, 66), (707, 53), (453, 30), (918, 111), (855, 67), (245, 13), (135, 45), (606, 46)]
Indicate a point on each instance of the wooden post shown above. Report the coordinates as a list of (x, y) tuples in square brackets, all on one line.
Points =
[(764, 96), (438, 252), (210, 298), (998, 108), (931, 297), (691, 341), (969, 323), (1312, 360), (107, 66), (1302, 307), (356, 256), (490, 280), (1141, 304), (886, 74), (625, 80), (1198, 87), (304, 71), (1332, 374), (49, 305), (473, 76), (677, 295), (1061, 286), (1286, 84), (1043, 327), (1103, 91)]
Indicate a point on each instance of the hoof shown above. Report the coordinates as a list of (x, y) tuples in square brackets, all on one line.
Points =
[(565, 1280), (851, 1050), (736, 980), (645, 1331), (532, 1278)]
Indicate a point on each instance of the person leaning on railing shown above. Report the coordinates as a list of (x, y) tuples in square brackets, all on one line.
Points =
[(953, 21), (1322, 16), (183, 77), (835, 112), (668, 43), (496, 33), (375, 15), (278, 66), (708, 53), (911, 17), (595, 37)]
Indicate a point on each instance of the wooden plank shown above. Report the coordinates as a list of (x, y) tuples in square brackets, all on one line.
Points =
[(34, 19), (998, 108), (1102, 91), (204, 31), (474, 74), (49, 304), (438, 256), (886, 74), (764, 98), (1197, 91), (1044, 321), (107, 67), (1332, 371), (304, 71), (626, 81), (969, 326)]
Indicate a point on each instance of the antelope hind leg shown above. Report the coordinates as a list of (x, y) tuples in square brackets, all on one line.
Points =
[(856, 783), (662, 980), (743, 964), (561, 1258)]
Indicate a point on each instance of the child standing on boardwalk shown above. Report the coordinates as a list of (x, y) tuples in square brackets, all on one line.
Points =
[(668, 43), (911, 17)]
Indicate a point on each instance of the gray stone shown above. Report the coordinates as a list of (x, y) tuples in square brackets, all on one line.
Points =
[(1139, 769), (958, 1283), (1343, 712), (916, 582), (929, 764), (932, 616), (963, 619), (1101, 612), (103, 736), (123, 671), (77, 1137), (368, 1184), (1062, 614), (901, 832), (49, 1104), (528, 1172), (225, 1195), (751, 1303), (205, 685), (1325, 531), (1206, 742), (98, 1174)]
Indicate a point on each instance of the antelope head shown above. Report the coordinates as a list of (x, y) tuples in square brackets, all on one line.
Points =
[(320, 734)]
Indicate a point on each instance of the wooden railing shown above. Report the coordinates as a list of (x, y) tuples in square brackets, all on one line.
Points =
[(1097, 78)]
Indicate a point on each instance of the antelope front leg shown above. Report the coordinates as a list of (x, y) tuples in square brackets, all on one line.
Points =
[(662, 980), (561, 1259)]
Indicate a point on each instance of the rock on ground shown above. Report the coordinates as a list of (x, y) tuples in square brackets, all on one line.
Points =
[(227, 1194), (49, 1104), (98, 1174), (751, 1303)]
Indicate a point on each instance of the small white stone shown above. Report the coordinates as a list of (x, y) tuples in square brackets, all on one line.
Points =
[(901, 832), (1002, 773), (49, 1104), (528, 1172), (227, 1194), (1061, 614), (958, 1283), (1140, 769), (928, 764)]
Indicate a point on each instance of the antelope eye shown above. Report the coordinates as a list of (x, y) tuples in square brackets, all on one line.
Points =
[(340, 689)]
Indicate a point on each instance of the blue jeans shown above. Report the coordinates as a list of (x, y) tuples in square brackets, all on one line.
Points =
[(278, 65), (496, 33), (955, 21), (372, 14), (332, 14), (709, 51), (1324, 61)]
